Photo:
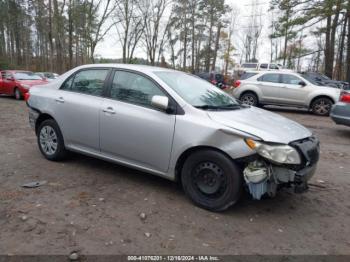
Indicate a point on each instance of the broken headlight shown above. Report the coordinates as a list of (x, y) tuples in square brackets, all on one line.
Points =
[(282, 154)]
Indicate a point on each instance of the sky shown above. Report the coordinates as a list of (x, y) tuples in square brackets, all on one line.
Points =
[(110, 47)]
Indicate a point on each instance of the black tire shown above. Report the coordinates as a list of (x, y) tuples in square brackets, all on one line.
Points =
[(17, 94), (249, 98), (321, 106), (211, 180), (57, 153)]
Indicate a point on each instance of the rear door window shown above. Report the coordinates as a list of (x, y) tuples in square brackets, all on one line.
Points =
[(271, 78), (290, 79), (90, 81)]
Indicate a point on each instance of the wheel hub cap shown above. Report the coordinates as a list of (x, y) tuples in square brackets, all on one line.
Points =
[(248, 100), (48, 140), (322, 107), (208, 178)]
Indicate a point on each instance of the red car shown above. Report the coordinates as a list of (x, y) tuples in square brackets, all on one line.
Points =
[(17, 83)]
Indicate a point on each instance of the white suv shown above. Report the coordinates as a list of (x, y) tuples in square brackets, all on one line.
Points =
[(285, 89)]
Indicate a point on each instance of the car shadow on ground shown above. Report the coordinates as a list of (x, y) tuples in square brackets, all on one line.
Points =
[(246, 205), (7, 97)]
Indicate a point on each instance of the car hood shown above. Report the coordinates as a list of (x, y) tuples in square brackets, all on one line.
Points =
[(268, 126), (33, 82)]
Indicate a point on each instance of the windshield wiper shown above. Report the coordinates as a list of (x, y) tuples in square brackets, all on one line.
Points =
[(224, 107)]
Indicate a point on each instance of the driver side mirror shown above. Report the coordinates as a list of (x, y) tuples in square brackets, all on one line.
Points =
[(302, 83), (10, 78), (162, 103)]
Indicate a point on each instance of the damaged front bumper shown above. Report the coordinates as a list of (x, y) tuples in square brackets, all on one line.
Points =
[(33, 116), (265, 178)]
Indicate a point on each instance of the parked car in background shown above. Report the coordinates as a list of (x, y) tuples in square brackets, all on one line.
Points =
[(248, 67), (320, 79), (285, 89), (17, 83), (341, 111), (1, 80), (173, 125), (216, 79), (47, 75)]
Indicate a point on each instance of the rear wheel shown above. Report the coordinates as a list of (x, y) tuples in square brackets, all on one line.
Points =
[(50, 140), (322, 106), (17, 94), (250, 99), (211, 180)]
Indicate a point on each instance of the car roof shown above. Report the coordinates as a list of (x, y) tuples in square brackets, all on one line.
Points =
[(141, 68), (253, 72)]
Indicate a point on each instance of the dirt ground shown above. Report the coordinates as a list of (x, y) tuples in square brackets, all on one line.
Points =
[(94, 207)]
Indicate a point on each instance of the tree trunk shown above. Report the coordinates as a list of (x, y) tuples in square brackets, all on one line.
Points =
[(193, 9), (327, 53), (348, 46), (341, 51), (208, 57), (216, 47), (331, 32), (185, 44)]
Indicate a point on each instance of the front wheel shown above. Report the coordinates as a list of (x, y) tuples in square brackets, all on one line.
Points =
[(50, 141), (322, 106), (211, 180), (17, 94)]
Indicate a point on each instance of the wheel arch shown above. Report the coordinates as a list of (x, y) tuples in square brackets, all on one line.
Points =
[(320, 96), (183, 157), (249, 91), (42, 117), (14, 89)]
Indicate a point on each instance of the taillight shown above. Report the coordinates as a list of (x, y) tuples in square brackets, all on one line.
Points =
[(345, 97), (237, 83), (26, 96)]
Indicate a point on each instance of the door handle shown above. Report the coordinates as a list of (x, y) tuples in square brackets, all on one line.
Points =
[(109, 110), (59, 100)]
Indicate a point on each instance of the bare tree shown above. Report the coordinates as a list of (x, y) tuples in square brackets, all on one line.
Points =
[(152, 11), (96, 25), (129, 25)]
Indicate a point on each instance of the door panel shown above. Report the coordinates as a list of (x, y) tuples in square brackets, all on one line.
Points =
[(130, 129), (77, 107), (139, 135), (270, 87), (8, 85), (78, 118), (292, 92)]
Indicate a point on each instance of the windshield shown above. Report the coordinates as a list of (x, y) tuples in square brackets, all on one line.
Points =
[(197, 92), (27, 76)]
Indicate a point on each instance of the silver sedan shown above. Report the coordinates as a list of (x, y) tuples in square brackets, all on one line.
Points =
[(173, 125)]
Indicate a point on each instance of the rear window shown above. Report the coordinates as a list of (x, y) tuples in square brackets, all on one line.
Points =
[(272, 78), (249, 65), (248, 75)]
